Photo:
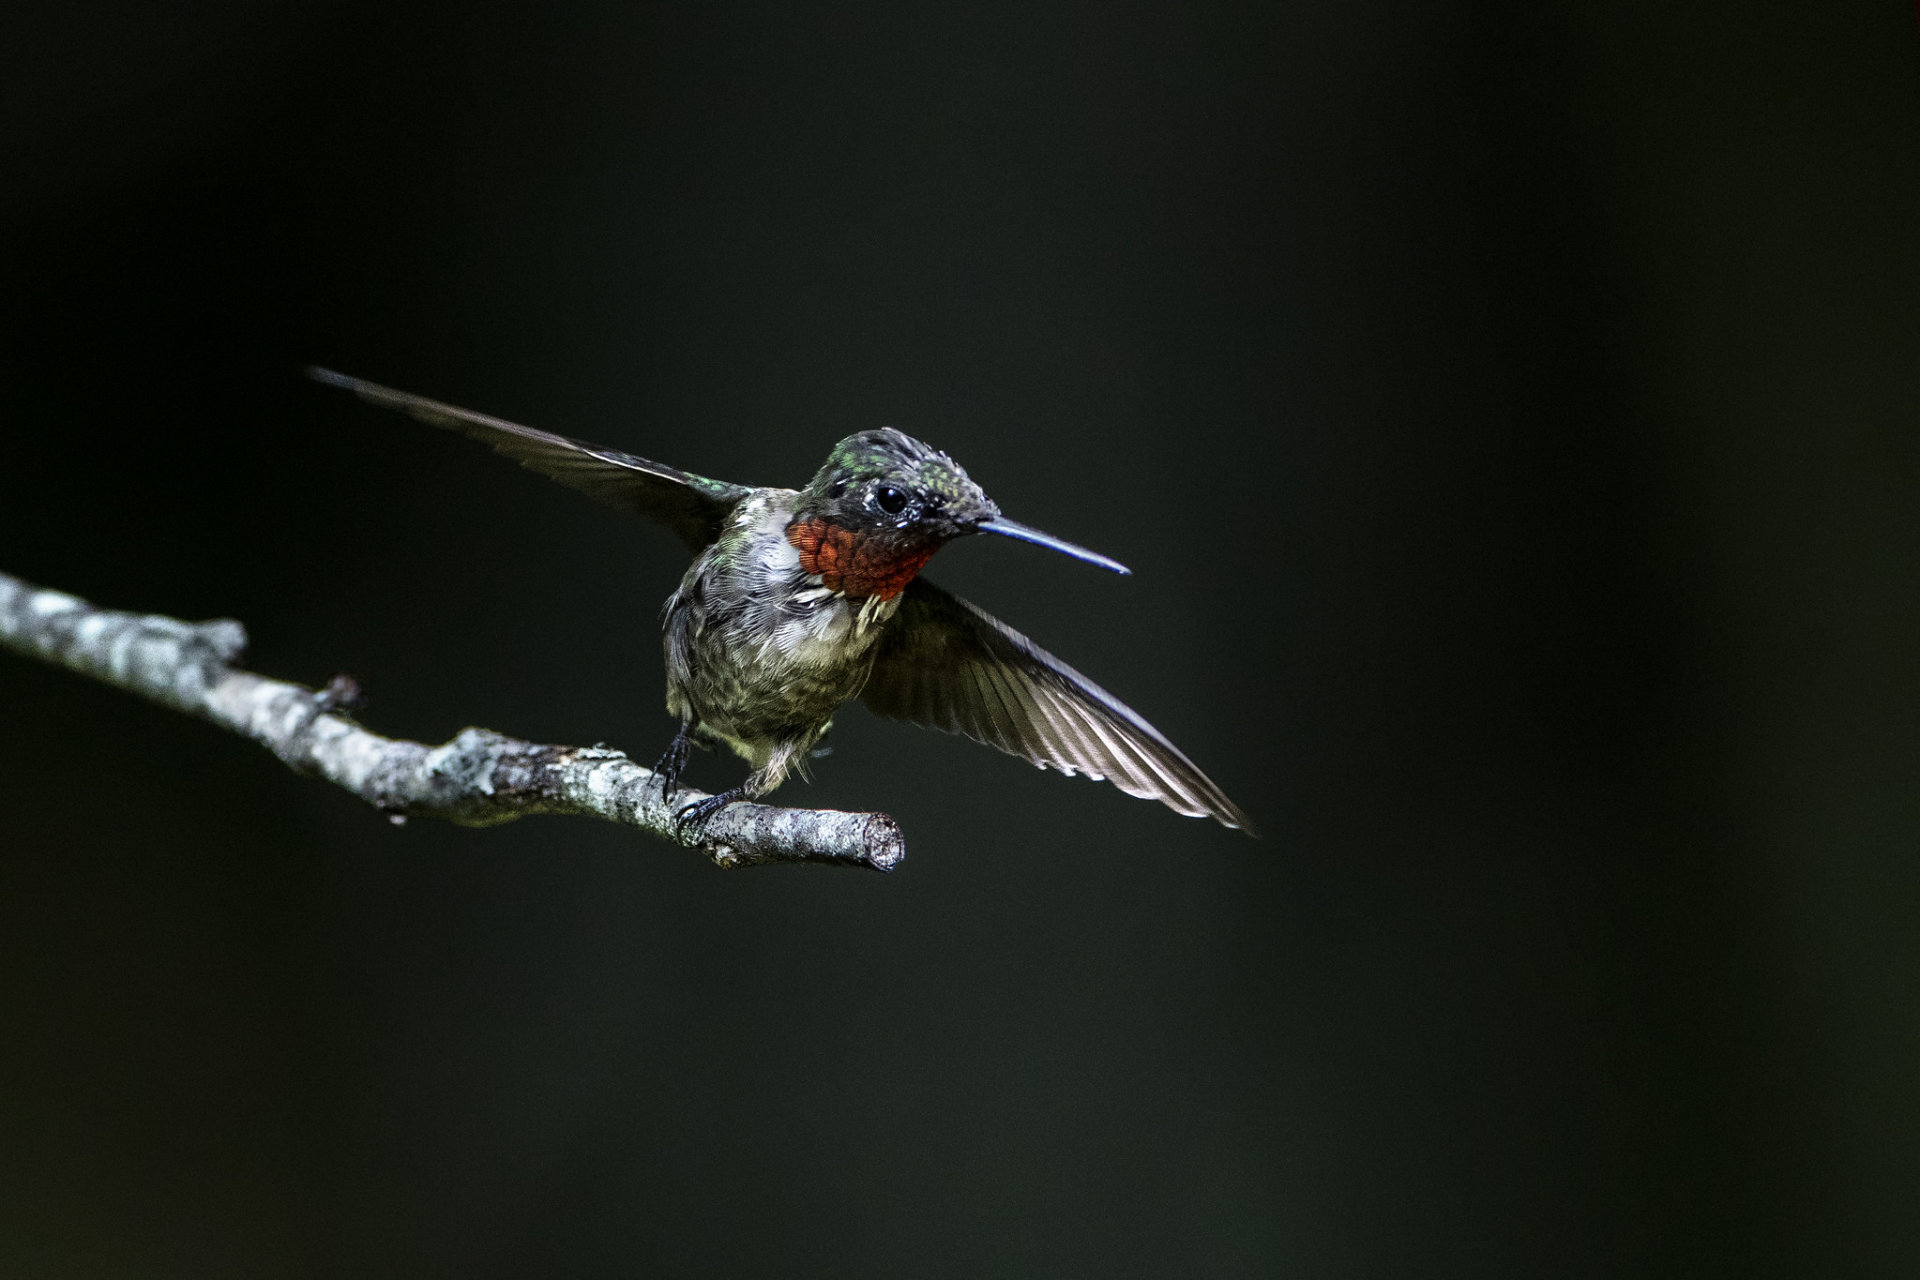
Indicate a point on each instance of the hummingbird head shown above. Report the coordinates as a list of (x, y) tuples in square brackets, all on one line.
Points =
[(884, 502)]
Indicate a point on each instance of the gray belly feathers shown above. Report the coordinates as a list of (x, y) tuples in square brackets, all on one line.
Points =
[(758, 652)]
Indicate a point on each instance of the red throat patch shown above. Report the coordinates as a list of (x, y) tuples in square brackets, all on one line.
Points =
[(855, 564)]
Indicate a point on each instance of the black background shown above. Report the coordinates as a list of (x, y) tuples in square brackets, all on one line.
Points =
[(1507, 410)]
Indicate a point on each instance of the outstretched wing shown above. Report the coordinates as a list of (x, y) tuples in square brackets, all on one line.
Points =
[(948, 665), (694, 507)]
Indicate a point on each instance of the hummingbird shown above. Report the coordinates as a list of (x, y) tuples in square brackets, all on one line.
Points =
[(801, 600)]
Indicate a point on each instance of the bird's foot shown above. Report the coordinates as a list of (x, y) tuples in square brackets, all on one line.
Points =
[(674, 762), (691, 820)]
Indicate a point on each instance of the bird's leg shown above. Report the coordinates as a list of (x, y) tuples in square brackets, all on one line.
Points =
[(757, 784), (674, 761)]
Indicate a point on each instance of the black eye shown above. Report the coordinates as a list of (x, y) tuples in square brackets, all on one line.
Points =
[(891, 500), (837, 488)]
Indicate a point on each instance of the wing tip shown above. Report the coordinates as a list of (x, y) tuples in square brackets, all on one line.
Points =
[(1235, 819), (329, 378), (1214, 805)]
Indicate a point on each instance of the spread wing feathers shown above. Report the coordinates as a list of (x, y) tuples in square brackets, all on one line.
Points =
[(948, 665), (694, 507)]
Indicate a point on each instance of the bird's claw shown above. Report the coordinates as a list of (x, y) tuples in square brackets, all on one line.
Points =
[(692, 818)]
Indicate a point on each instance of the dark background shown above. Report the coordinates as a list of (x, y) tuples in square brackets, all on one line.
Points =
[(1508, 413)]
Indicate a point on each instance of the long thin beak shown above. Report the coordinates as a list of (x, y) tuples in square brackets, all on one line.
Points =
[(1014, 529)]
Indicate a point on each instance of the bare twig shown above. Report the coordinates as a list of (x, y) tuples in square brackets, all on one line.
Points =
[(478, 779)]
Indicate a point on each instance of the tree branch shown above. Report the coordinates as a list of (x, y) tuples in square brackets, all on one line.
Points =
[(479, 779)]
